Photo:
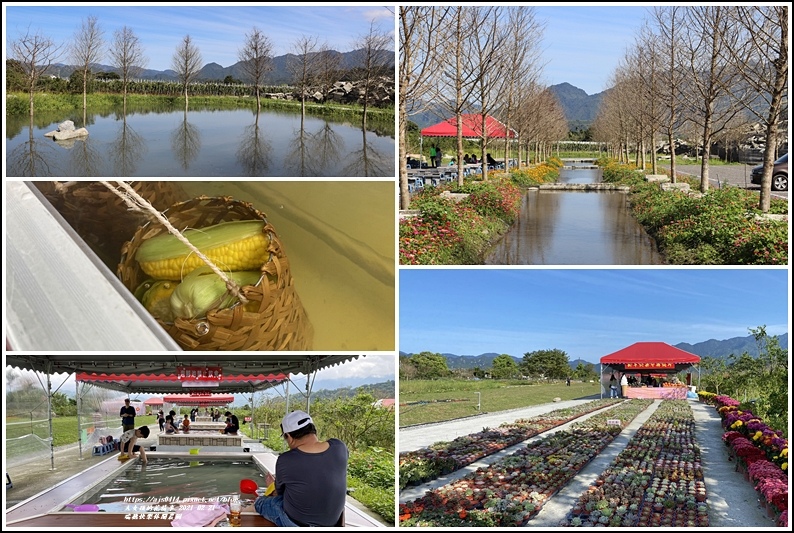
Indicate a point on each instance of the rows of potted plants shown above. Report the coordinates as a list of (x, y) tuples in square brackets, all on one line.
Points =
[(657, 480), (761, 454), (426, 464), (511, 491)]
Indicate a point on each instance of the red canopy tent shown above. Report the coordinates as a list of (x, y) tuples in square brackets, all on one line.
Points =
[(471, 128), (648, 358)]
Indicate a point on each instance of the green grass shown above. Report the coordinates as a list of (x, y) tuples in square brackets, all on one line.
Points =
[(494, 396), (64, 428)]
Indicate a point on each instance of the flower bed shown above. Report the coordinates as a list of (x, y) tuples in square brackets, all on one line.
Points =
[(511, 491), (442, 458), (657, 480), (761, 455)]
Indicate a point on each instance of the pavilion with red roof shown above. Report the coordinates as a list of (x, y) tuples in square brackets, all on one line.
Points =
[(648, 363)]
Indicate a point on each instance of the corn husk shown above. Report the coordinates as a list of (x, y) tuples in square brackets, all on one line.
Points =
[(157, 299), (167, 246), (203, 290)]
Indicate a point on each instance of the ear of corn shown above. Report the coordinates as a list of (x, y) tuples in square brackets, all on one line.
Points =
[(157, 299), (232, 246), (203, 290)]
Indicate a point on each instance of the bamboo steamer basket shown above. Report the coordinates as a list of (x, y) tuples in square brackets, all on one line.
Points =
[(279, 322)]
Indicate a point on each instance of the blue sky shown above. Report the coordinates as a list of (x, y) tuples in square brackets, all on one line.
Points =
[(217, 31), (583, 44), (586, 313)]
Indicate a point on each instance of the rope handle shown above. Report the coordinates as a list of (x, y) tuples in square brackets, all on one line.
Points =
[(138, 203)]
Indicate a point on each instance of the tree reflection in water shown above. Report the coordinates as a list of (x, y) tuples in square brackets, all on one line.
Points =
[(84, 158), (367, 161), (129, 149), (254, 151), (32, 158), (314, 153), (185, 143)]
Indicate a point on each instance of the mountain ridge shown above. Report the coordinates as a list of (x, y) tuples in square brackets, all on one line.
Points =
[(212, 71), (710, 348), (580, 108)]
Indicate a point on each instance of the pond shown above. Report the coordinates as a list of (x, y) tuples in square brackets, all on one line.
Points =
[(575, 228), (199, 143), (337, 236)]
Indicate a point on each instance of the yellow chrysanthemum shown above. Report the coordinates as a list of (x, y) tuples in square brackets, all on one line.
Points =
[(784, 466), (784, 452)]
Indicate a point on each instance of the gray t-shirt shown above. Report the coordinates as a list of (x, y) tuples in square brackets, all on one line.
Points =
[(314, 485)]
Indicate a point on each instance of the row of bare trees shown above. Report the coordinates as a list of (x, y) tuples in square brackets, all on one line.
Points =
[(313, 63), (713, 70), (481, 60)]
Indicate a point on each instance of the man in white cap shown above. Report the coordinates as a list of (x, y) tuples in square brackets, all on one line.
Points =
[(311, 478)]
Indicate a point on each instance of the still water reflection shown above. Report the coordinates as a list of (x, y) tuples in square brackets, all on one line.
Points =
[(199, 143), (339, 239), (575, 228)]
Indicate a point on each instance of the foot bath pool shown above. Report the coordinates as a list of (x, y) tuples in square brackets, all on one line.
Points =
[(170, 481)]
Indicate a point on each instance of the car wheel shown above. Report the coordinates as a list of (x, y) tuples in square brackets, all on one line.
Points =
[(780, 182)]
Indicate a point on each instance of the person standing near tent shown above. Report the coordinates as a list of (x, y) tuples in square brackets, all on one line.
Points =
[(127, 414), (613, 387), (439, 155), (433, 155), (624, 385)]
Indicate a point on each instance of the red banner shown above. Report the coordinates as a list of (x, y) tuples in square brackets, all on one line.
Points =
[(199, 373), (649, 366)]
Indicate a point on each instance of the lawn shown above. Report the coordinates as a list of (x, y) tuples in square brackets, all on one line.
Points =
[(425, 401)]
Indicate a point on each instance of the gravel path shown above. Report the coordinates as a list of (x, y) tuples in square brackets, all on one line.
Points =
[(733, 501)]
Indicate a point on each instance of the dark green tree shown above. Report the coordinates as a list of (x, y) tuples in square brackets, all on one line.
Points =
[(504, 367), (15, 75), (430, 365), (551, 364), (76, 86)]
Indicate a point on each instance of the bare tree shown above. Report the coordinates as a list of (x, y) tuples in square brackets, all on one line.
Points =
[(328, 66), (669, 25), (761, 58), (712, 80), (376, 52), (523, 50), (302, 66), (35, 53), (256, 58), (455, 80), (87, 47), (489, 67), (419, 41), (127, 55), (186, 62)]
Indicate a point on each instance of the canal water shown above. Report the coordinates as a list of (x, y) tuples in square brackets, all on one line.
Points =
[(575, 228)]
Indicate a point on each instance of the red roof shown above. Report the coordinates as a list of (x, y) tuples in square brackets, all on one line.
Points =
[(153, 401), (650, 352), (471, 127)]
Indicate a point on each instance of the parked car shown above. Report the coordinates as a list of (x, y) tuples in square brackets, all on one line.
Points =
[(779, 174)]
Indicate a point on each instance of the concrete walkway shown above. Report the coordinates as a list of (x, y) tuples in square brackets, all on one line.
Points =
[(733, 501)]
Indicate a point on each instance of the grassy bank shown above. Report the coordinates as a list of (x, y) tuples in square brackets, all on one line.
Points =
[(448, 232), (425, 401), (17, 104), (716, 228)]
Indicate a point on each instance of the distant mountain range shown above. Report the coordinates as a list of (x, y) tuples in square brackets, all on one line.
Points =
[(279, 75), (580, 108), (710, 348)]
